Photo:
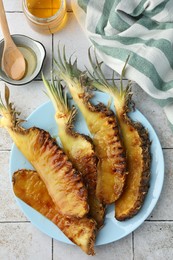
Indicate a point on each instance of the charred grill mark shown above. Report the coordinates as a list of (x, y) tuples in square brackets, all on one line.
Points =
[(88, 166), (115, 151)]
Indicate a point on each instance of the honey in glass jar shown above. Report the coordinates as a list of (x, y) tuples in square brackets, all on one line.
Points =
[(45, 16)]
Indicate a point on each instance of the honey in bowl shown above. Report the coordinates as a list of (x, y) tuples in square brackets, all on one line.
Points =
[(45, 16), (30, 59), (43, 8)]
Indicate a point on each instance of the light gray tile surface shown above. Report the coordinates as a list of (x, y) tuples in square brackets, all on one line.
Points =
[(74, 35), (12, 6), (111, 251), (164, 207), (20, 239), (154, 241), (76, 43), (155, 114), (26, 99), (9, 211)]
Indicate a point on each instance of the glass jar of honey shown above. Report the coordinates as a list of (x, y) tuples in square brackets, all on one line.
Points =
[(45, 16)]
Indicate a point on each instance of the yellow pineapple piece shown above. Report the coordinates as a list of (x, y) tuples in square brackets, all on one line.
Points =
[(63, 182), (29, 187), (136, 142)]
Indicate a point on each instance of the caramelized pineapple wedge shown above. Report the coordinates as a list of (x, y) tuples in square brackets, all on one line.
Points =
[(136, 142), (101, 122), (63, 182), (138, 154), (78, 147), (31, 189)]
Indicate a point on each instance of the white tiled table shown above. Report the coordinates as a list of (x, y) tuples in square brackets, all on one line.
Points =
[(19, 239)]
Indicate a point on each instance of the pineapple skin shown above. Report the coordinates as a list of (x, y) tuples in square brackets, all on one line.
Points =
[(29, 187), (64, 183)]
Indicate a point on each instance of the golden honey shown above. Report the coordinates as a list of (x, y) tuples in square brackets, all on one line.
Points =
[(45, 16), (43, 8)]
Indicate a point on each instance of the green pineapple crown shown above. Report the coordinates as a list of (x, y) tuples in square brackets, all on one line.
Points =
[(121, 95), (9, 116), (101, 83), (69, 72), (56, 94), (83, 82), (66, 70), (60, 100)]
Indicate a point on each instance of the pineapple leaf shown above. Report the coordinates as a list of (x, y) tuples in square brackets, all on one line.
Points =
[(67, 66), (97, 68), (113, 80), (123, 74), (56, 94), (7, 95), (72, 117), (1, 103), (67, 69), (99, 80), (101, 75), (59, 57), (9, 114)]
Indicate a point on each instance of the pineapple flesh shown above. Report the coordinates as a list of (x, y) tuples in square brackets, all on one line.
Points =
[(78, 147), (64, 183), (29, 187), (101, 122)]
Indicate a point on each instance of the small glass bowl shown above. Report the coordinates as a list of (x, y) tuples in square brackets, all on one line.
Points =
[(47, 25)]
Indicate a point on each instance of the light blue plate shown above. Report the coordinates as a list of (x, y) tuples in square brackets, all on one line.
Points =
[(43, 117)]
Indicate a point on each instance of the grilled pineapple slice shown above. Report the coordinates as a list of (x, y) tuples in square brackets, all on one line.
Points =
[(29, 187), (79, 148), (63, 182), (136, 142), (102, 124)]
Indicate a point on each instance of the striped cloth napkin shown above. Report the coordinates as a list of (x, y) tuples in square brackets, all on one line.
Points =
[(141, 28)]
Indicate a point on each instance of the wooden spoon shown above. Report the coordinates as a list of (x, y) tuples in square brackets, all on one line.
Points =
[(13, 62)]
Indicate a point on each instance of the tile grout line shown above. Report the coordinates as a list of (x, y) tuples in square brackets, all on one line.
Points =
[(14, 12), (52, 247), (158, 221), (15, 222), (27, 221), (133, 249)]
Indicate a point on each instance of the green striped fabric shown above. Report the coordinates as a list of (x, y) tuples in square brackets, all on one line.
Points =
[(142, 29)]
